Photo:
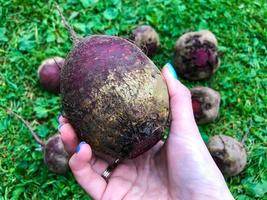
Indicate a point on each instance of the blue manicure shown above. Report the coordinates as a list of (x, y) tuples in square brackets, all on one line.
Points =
[(172, 70), (59, 126), (79, 146), (59, 116)]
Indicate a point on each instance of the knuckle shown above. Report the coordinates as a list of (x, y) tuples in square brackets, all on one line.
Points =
[(181, 92)]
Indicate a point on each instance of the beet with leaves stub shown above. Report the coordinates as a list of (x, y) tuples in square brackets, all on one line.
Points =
[(49, 74), (196, 55), (228, 153), (205, 103), (56, 157), (114, 96), (146, 38)]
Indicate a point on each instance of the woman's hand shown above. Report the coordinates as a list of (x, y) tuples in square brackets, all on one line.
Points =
[(182, 168)]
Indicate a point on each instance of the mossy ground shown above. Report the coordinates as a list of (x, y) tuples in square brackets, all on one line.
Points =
[(31, 31)]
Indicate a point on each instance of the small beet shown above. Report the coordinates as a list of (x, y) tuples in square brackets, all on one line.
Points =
[(49, 74), (205, 103), (55, 156), (146, 38), (228, 153), (113, 95), (196, 55)]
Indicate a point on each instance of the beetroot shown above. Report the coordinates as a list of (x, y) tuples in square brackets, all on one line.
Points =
[(55, 156), (228, 153), (146, 38), (196, 107), (205, 103), (123, 102), (196, 55), (114, 96), (49, 74)]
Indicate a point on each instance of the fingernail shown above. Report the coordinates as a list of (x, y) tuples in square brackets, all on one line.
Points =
[(79, 146), (63, 114), (59, 116), (172, 70), (59, 126)]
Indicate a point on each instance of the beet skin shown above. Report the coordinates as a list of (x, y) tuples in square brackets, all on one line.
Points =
[(146, 38), (114, 96), (56, 157), (49, 74), (228, 153), (205, 103), (196, 55)]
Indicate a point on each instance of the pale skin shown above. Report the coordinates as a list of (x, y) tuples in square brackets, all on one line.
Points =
[(181, 169)]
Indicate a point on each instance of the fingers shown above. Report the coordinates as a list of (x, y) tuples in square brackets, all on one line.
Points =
[(180, 102), (71, 141), (69, 138), (85, 167), (62, 120), (85, 175)]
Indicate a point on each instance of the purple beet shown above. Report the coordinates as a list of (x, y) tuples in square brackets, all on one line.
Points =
[(146, 38), (228, 153), (49, 74), (196, 55), (205, 103), (114, 96), (55, 156), (196, 107)]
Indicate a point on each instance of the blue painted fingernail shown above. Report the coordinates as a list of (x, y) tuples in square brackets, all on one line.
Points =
[(59, 116), (59, 126), (79, 146), (172, 70)]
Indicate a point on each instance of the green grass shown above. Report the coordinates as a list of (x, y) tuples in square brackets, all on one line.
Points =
[(31, 31)]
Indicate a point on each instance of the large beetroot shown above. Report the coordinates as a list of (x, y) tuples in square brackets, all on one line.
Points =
[(114, 96)]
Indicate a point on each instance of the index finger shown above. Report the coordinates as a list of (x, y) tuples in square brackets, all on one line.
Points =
[(69, 137), (180, 104)]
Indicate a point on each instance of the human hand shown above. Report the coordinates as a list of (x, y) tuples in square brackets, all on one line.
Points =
[(182, 168)]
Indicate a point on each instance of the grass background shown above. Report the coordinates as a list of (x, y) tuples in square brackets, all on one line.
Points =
[(31, 31)]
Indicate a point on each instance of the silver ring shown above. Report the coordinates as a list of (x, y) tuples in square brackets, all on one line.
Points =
[(106, 174)]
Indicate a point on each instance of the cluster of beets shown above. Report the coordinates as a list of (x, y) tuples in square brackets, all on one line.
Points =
[(195, 58)]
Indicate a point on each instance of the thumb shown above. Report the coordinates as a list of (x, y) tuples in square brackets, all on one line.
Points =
[(180, 102), (85, 175)]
